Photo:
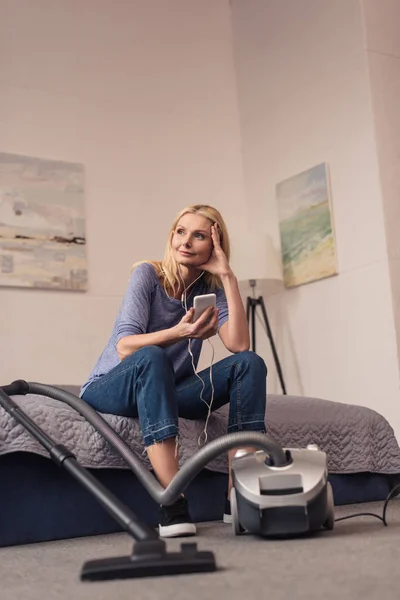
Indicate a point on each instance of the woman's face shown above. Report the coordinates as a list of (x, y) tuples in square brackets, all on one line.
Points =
[(191, 240)]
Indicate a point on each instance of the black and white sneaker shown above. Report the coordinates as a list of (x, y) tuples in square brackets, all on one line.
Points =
[(175, 520), (227, 510)]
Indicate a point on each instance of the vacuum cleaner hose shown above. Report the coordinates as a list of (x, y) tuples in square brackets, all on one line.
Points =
[(191, 467)]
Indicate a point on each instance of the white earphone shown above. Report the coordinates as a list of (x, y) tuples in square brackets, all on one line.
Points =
[(184, 305), (183, 296)]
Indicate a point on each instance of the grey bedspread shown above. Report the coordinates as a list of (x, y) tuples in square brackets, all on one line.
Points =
[(356, 439)]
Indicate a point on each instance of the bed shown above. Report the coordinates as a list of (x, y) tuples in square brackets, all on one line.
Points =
[(40, 502)]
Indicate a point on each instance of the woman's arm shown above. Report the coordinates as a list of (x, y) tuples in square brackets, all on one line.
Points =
[(234, 333), (131, 343), (205, 327)]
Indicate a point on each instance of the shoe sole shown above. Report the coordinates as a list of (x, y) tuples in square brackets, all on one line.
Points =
[(177, 530), (227, 519)]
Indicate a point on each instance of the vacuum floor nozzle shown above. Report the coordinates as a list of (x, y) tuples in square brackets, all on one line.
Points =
[(150, 562)]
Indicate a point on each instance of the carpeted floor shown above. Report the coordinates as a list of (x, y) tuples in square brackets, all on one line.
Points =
[(358, 559)]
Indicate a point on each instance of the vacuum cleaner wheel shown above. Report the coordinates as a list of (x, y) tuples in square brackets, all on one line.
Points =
[(330, 518), (237, 528)]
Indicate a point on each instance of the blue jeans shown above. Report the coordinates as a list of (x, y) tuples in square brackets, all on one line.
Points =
[(143, 386)]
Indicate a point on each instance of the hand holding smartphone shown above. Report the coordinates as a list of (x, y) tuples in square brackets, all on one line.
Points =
[(201, 303)]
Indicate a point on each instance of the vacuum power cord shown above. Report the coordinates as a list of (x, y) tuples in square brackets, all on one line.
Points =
[(382, 518)]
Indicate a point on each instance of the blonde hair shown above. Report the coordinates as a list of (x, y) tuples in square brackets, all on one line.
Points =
[(167, 269)]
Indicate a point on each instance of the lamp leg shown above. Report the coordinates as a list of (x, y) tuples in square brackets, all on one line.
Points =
[(253, 323), (271, 339)]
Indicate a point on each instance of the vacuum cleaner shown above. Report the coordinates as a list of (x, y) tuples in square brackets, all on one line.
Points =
[(279, 501), (276, 493)]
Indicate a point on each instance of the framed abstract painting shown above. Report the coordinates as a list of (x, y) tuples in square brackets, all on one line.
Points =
[(42, 223)]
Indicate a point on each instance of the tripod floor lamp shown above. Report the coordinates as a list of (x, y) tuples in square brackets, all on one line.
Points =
[(255, 265)]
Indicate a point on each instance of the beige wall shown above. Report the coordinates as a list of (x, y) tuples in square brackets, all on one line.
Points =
[(304, 98), (382, 27), (143, 94)]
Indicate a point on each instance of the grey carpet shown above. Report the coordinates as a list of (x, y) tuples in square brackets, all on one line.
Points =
[(358, 559)]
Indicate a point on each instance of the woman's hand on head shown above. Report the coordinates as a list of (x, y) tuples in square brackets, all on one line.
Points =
[(217, 264), (205, 327)]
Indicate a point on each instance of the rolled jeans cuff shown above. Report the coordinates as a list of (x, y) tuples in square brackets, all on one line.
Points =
[(255, 423), (159, 432)]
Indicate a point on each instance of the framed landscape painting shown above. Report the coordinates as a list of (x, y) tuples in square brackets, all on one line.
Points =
[(306, 227)]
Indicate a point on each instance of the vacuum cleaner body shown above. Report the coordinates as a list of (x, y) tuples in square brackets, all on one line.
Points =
[(286, 501)]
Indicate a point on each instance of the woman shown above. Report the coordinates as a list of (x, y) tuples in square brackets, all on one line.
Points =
[(146, 369)]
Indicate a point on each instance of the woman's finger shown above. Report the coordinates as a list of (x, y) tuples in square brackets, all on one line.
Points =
[(187, 318), (215, 234)]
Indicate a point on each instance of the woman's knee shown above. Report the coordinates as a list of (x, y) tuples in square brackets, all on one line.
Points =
[(152, 357), (253, 362)]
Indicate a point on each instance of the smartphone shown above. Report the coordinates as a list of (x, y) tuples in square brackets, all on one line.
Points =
[(200, 303)]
